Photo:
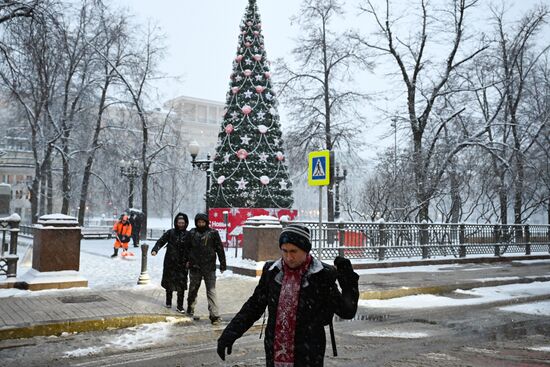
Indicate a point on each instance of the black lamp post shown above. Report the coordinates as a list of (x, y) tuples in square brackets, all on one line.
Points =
[(337, 180), (131, 170), (203, 164)]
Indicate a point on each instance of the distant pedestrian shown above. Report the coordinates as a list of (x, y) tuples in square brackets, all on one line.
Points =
[(135, 221), (301, 297), (174, 272), (204, 244), (123, 232)]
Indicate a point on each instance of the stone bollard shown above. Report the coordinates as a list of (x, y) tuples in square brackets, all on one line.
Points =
[(144, 276), (261, 238), (56, 255)]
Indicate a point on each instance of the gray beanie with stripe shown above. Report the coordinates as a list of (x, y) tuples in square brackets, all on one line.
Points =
[(297, 235)]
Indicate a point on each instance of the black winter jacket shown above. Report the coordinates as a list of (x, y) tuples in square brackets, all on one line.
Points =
[(174, 272), (319, 300), (202, 248)]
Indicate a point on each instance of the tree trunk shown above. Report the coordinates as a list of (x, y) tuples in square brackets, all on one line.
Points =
[(35, 192), (456, 201), (66, 178), (91, 157), (48, 198)]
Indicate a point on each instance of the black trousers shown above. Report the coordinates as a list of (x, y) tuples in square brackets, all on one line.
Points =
[(179, 301)]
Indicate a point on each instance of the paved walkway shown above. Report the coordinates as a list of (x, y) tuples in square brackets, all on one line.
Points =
[(54, 312)]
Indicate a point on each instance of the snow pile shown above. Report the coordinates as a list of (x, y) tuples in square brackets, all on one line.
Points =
[(479, 296)]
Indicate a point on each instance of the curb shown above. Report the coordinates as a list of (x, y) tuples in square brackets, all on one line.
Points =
[(406, 291), (72, 326)]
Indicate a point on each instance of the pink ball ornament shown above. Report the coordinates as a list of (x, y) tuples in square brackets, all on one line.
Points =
[(280, 156), (267, 75), (235, 90), (242, 154), (264, 180), (259, 89), (229, 129), (259, 25), (239, 58), (256, 33), (221, 179), (257, 57), (262, 128), (247, 72), (249, 23), (246, 109), (247, 44)]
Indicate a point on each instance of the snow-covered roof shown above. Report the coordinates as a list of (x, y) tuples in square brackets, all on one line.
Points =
[(263, 221), (57, 219), (12, 218)]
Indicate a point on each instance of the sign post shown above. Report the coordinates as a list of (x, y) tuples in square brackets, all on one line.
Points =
[(319, 175)]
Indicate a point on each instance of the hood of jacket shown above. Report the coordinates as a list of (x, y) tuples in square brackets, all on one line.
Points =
[(181, 215), (204, 217)]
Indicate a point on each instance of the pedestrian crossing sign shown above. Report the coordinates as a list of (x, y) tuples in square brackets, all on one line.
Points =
[(319, 168)]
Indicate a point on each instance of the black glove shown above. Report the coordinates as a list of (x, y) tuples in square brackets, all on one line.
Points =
[(223, 267), (342, 264), (344, 271), (223, 345)]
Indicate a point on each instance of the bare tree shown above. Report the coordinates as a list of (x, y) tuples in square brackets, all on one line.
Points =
[(135, 75), (29, 70), (516, 65), (110, 42), (11, 9), (425, 84), (319, 89)]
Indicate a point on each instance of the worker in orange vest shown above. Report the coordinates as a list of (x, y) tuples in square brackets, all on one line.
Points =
[(123, 234)]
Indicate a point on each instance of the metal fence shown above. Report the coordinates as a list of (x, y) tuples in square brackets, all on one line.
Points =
[(8, 255), (382, 241), (97, 232)]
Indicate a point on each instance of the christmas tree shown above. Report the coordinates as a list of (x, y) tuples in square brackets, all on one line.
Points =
[(249, 168)]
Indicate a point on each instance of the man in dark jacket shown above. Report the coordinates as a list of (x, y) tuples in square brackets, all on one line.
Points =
[(301, 297), (202, 246), (174, 272)]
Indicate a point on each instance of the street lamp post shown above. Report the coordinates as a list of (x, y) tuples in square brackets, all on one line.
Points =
[(337, 180), (130, 169), (203, 165)]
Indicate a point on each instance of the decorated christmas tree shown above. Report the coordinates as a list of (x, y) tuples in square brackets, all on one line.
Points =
[(249, 168)]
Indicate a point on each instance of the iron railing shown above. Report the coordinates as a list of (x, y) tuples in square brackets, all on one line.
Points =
[(9, 226), (382, 241), (426, 240), (97, 232)]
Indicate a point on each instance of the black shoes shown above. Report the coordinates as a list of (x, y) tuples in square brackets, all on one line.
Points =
[(216, 320)]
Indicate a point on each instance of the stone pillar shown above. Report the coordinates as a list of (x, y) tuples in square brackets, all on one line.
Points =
[(5, 199), (56, 254), (261, 238)]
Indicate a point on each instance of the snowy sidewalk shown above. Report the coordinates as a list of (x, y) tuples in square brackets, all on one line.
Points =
[(114, 300)]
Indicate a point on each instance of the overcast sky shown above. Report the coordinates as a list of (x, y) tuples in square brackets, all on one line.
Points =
[(201, 37), (201, 41)]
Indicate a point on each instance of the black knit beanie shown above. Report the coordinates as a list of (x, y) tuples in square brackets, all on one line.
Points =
[(296, 234)]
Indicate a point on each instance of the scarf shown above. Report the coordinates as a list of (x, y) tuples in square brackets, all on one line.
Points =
[(285, 323)]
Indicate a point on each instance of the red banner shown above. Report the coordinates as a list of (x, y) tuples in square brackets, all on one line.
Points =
[(231, 229)]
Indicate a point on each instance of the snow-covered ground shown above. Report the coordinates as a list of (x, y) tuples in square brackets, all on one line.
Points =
[(105, 273), (474, 296)]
